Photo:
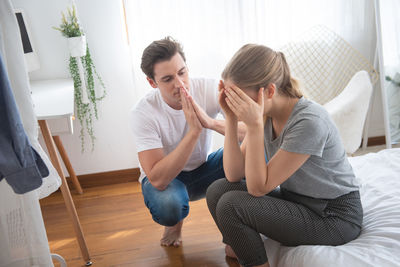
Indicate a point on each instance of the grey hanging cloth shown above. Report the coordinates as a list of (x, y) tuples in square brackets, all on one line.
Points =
[(20, 164)]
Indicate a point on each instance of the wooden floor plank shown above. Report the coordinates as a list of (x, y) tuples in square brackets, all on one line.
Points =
[(120, 231)]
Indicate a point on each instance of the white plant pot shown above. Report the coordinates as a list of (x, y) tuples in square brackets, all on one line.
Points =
[(77, 46)]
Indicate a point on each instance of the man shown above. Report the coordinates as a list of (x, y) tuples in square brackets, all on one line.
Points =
[(172, 126)]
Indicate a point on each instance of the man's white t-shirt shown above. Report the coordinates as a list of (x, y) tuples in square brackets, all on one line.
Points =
[(156, 125)]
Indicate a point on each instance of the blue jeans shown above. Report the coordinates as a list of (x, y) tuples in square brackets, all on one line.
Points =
[(170, 206)]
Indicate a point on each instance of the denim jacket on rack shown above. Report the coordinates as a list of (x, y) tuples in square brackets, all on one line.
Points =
[(20, 164)]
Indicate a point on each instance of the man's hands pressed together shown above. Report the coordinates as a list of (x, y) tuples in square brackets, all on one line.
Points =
[(189, 111)]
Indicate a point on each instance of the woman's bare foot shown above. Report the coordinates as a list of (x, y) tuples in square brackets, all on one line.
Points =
[(229, 252), (172, 235)]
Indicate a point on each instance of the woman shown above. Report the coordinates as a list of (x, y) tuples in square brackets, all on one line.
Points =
[(306, 194)]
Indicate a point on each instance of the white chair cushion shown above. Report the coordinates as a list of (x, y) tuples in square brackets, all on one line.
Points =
[(349, 110)]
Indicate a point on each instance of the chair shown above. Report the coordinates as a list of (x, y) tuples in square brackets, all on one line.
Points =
[(326, 66)]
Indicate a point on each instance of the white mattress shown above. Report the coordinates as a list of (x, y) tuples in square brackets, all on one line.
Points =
[(379, 242)]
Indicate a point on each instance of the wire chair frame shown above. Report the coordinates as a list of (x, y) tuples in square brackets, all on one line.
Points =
[(324, 63)]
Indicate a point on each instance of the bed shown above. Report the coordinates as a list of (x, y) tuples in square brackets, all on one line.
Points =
[(379, 242)]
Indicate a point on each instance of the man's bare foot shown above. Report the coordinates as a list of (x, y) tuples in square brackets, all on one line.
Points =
[(172, 235), (229, 252)]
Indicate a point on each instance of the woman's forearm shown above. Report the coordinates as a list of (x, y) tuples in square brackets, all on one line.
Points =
[(233, 158), (255, 166)]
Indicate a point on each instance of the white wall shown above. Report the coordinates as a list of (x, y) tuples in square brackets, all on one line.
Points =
[(103, 23)]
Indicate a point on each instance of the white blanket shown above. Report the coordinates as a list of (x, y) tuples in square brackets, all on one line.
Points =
[(379, 242)]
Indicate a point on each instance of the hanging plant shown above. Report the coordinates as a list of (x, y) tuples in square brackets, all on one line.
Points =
[(395, 80), (83, 73)]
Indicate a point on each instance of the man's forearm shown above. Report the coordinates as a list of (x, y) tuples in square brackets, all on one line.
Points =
[(171, 165), (220, 125)]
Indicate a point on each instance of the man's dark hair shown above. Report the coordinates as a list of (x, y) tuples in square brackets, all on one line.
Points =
[(157, 51)]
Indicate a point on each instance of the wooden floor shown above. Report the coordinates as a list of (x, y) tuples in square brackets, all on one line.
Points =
[(120, 231)]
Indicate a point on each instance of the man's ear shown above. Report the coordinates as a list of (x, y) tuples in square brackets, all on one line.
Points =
[(152, 82), (270, 91)]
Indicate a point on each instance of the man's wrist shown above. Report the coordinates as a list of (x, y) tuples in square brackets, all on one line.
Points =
[(212, 124), (194, 132)]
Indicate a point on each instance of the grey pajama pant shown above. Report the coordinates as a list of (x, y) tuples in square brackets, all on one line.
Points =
[(286, 217)]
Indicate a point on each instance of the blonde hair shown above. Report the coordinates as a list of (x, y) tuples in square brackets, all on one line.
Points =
[(255, 66)]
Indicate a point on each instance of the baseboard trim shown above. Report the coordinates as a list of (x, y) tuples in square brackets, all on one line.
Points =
[(107, 178), (376, 141)]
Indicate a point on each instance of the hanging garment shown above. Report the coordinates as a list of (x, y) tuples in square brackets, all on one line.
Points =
[(23, 240), (13, 59), (20, 164)]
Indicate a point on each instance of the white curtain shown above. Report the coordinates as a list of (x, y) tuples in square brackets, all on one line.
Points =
[(390, 22), (390, 26), (23, 240), (212, 30)]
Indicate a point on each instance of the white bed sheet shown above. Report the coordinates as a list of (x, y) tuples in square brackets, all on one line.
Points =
[(379, 242)]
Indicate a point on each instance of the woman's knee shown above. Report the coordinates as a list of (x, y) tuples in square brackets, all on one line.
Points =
[(217, 189), (228, 203)]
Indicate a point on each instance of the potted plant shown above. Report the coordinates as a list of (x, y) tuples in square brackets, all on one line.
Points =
[(83, 73)]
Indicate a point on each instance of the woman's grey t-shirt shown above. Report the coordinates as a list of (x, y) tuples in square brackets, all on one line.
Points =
[(310, 130)]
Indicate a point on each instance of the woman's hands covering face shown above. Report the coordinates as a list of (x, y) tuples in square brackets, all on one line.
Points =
[(243, 107)]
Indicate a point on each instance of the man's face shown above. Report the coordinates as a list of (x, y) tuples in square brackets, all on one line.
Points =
[(169, 77)]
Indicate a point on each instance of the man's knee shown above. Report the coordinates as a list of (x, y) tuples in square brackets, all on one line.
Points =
[(169, 210), (167, 207)]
